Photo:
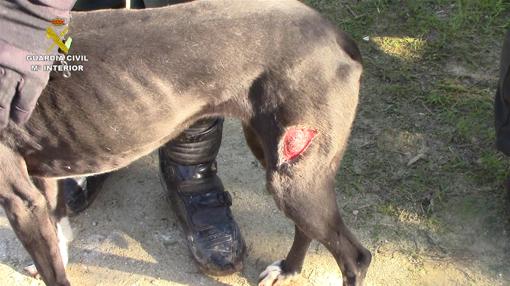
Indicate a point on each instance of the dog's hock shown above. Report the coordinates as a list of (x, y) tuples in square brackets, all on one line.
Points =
[(295, 141)]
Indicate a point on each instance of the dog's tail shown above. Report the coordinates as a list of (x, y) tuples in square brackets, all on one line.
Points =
[(345, 41)]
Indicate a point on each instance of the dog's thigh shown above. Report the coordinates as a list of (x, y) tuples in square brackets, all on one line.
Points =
[(27, 211)]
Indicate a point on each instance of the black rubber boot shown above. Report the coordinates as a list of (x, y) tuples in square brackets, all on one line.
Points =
[(188, 172), (80, 193)]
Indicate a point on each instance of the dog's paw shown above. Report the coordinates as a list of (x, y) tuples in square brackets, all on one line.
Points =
[(32, 271), (274, 275)]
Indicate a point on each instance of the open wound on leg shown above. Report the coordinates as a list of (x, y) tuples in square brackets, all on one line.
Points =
[(295, 141)]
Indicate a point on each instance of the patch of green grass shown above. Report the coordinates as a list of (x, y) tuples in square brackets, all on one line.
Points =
[(483, 13), (388, 209), (438, 99), (493, 167), (443, 28), (466, 106)]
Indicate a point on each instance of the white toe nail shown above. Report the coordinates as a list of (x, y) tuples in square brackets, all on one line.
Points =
[(31, 270)]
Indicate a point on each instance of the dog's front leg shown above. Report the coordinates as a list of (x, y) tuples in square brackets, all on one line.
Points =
[(27, 211), (58, 214)]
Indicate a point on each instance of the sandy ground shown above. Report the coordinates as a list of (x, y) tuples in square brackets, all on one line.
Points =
[(129, 236)]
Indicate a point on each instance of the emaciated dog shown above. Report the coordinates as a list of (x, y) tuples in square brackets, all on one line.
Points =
[(288, 74)]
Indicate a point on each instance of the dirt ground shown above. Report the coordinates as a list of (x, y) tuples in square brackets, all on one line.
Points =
[(420, 184), (130, 237)]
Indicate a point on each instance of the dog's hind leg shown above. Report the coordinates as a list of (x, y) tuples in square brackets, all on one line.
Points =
[(293, 263), (282, 271), (27, 211), (58, 213), (303, 189), (302, 125)]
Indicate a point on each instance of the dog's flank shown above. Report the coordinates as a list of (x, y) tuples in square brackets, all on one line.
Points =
[(275, 65)]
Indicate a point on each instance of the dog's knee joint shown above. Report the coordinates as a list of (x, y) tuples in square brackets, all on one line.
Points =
[(34, 203), (18, 207), (364, 258)]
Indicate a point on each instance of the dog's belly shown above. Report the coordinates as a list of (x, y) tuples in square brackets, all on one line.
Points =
[(51, 165), (86, 138)]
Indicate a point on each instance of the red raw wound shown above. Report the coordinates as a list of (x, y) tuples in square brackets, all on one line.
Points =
[(296, 140), (58, 21)]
